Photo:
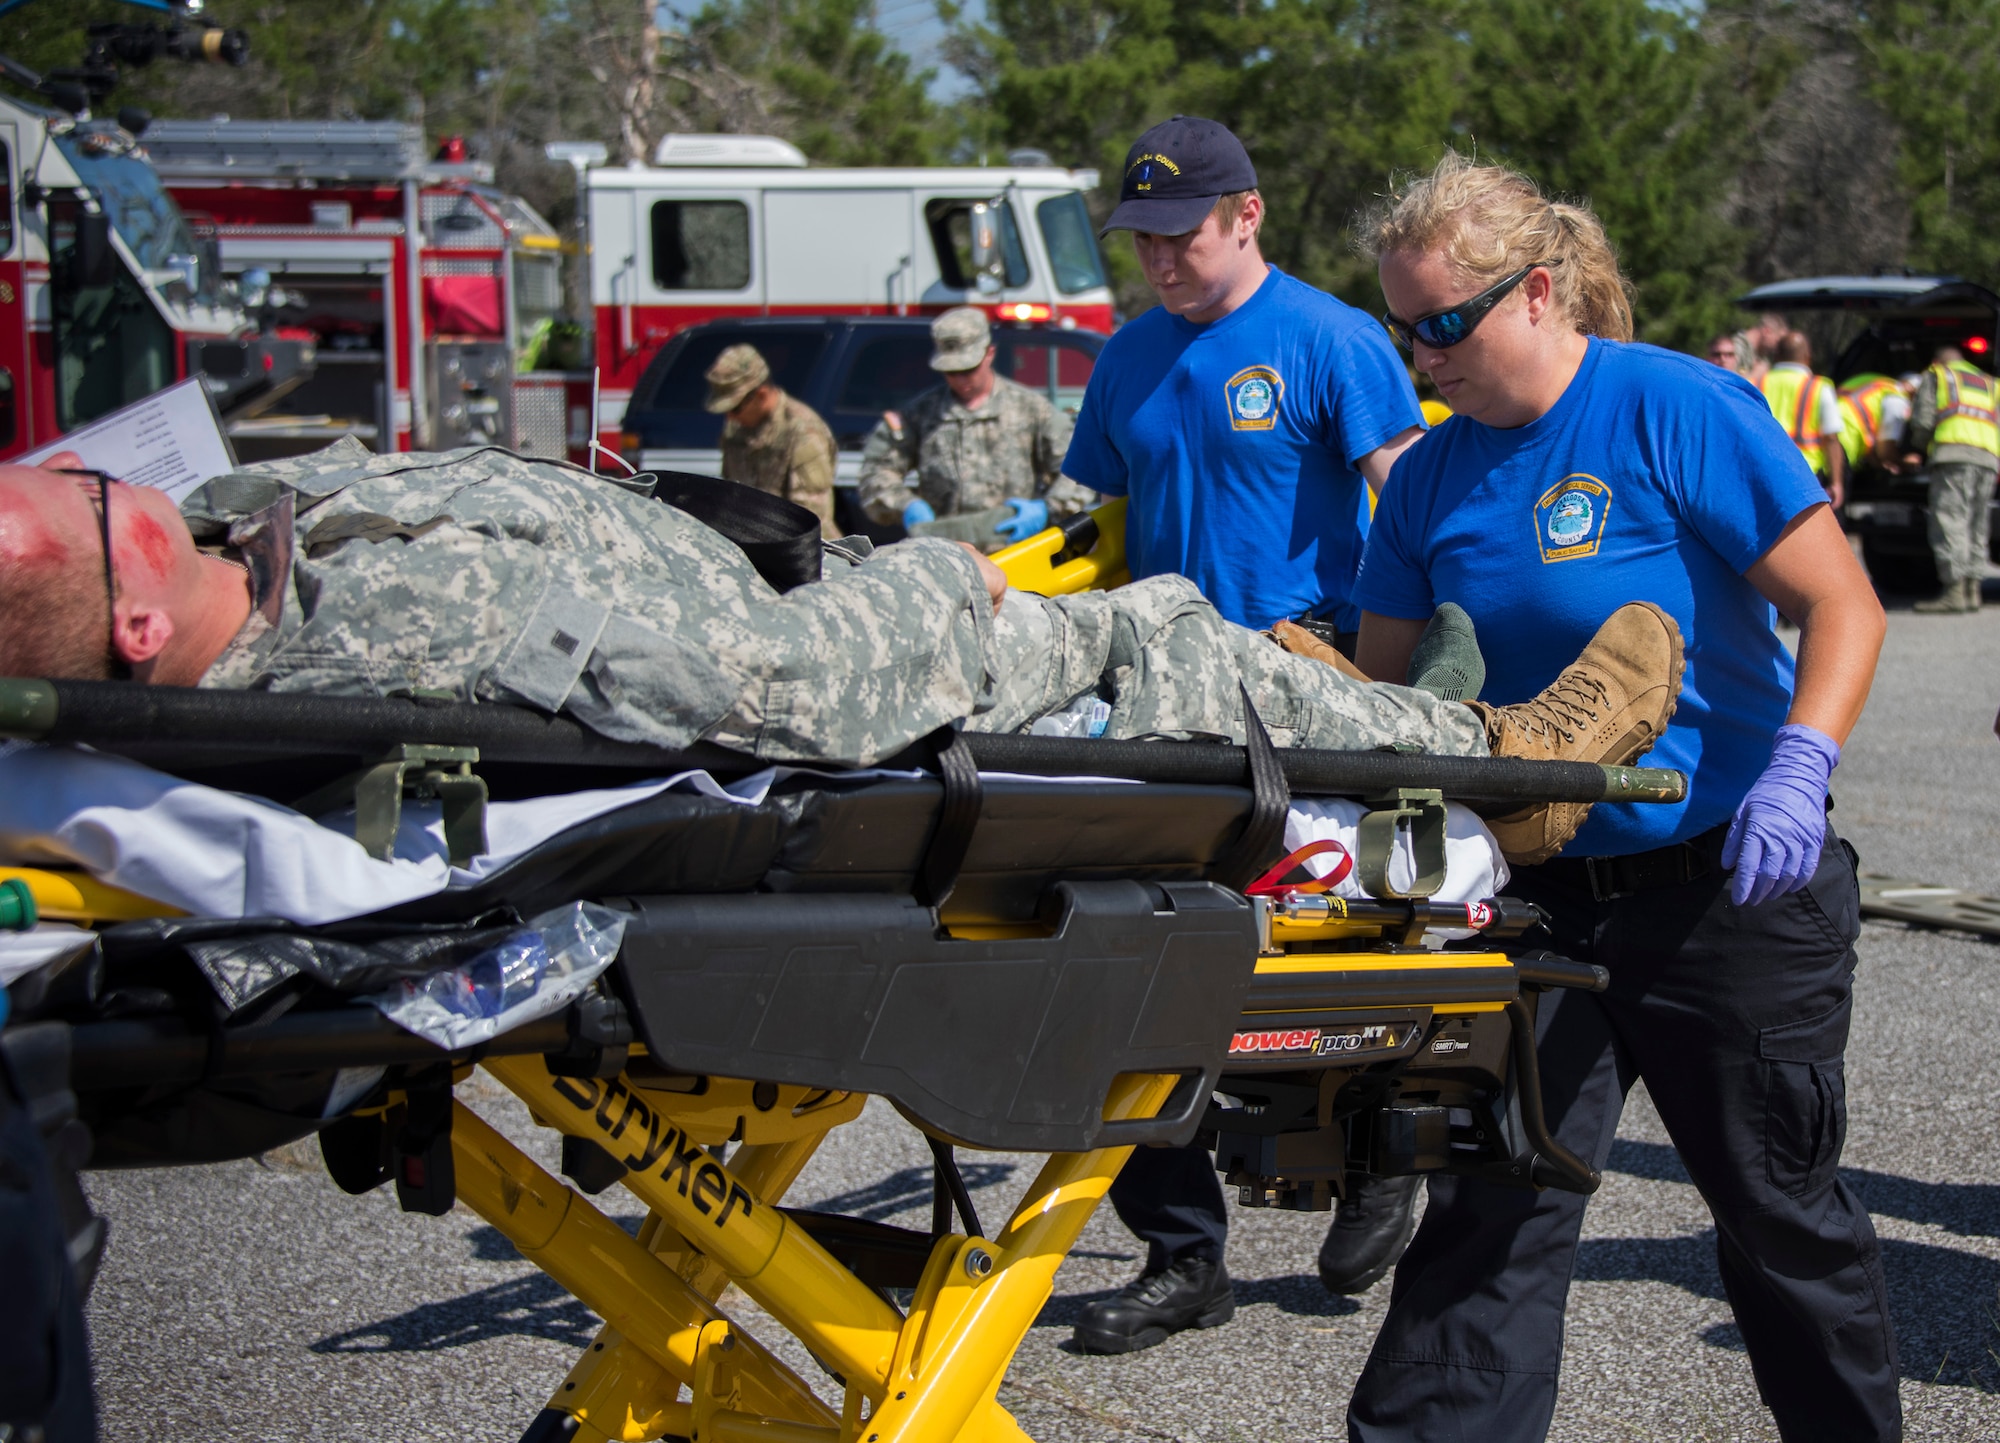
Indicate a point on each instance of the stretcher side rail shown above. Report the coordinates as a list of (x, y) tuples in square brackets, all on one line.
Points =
[(173, 1052), (189, 726)]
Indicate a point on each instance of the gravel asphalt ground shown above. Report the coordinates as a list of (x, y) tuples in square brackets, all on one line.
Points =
[(253, 1301)]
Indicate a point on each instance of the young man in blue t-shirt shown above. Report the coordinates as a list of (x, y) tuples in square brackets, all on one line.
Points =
[(1248, 418), (1249, 415)]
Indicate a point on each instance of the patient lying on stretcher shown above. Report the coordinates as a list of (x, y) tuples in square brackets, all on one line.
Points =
[(480, 576)]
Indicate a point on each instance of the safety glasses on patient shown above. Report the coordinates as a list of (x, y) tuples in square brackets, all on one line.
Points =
[(120, 670), (1441, 330)]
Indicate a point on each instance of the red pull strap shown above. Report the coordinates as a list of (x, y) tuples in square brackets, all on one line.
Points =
[(1268, 883)]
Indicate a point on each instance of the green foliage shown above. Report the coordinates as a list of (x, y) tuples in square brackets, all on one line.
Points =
[(1612, 100), (1936, 72), (834, 84), (1724, 143)]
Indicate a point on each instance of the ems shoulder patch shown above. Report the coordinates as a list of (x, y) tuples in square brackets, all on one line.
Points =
[(1254, 395), (1570, 517)]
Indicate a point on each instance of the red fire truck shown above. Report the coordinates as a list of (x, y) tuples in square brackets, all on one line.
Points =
[(434, 296), (106, 293), (740, 225)]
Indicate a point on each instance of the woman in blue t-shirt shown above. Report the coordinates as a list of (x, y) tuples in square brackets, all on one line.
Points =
[(1581, 472)]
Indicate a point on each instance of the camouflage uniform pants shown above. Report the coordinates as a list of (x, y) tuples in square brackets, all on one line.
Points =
[(1959, 519), (1170, 666)]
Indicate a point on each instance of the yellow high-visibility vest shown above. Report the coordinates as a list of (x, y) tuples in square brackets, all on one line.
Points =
[(1968, 407), (1794, 398), (1861, 399)]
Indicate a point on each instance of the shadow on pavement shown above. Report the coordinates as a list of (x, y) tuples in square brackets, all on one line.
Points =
[(1969, 1209), (1299, 1294), (907, 1188), (1946, 1303), (529, 1307)]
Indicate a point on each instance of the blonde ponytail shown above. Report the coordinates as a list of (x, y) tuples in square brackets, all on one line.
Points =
[(1488, 221)]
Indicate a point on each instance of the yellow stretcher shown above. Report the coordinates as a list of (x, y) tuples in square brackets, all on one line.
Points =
[(1072, 970)]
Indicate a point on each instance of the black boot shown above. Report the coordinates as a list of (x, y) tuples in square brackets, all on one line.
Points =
[(1370, 1229), (1188, 1293)]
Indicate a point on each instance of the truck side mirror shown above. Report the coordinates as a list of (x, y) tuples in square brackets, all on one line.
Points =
[(989, 264), (96, 260)]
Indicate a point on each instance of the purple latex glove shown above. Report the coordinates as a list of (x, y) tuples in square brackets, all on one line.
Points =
[(1773, 844)]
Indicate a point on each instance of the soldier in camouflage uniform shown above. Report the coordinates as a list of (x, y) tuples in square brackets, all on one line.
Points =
[(772, 440), (977, 442), (1954, 433), (477, 575)]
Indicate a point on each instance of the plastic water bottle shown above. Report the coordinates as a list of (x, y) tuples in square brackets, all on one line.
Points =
[(497, 979), (509, 974)]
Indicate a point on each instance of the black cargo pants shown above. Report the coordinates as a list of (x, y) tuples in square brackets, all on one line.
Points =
[(1737, 1019), (1171, 1198)]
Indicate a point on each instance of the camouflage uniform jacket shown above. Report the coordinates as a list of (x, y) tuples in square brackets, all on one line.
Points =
[(790, 455), (970, 460), (477, 575)]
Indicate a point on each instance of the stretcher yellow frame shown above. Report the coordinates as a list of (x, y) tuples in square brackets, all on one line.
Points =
[(1033, 565), (669, 1362)]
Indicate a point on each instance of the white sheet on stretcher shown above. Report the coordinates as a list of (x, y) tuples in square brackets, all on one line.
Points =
[(214, 853)]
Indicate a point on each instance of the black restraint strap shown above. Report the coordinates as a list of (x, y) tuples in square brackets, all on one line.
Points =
[(1270, 801), (958, 817)]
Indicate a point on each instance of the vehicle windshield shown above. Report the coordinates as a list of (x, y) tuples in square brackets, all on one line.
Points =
[(142, 212), (1073, 253)]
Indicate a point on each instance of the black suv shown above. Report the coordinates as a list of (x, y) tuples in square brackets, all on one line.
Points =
[(1903, 320), (850, 369)]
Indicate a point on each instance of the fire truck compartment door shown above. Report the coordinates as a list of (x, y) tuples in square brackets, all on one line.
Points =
[(840, 247), (329, 256)]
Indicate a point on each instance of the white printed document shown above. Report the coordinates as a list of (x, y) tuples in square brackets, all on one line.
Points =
[(171, 440)]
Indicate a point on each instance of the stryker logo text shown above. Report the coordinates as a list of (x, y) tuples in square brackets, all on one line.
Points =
[(707, 1187)]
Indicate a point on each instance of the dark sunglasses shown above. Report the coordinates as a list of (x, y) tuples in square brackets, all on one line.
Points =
[(1441, 330), (120, 670)]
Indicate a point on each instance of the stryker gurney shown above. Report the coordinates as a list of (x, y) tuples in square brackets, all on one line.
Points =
[(1015, 958)]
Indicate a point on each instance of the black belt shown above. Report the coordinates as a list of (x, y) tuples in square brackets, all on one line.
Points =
[(1608, 878), (1341, 641)]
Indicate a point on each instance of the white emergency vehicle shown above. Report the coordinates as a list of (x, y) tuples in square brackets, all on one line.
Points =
[(740, 225)]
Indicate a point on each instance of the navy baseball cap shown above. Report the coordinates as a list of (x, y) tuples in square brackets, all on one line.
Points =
[(1174, 174)]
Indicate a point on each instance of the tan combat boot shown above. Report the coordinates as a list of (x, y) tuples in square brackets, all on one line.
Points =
[(1610, 705), (1950, 601)]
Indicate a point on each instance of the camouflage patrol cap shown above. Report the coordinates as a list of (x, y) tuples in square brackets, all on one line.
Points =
[(961, 336), (736, 373)]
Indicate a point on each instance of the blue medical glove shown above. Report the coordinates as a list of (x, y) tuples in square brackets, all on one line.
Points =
[(1029, 518), (917, 512), (1773, 844)]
